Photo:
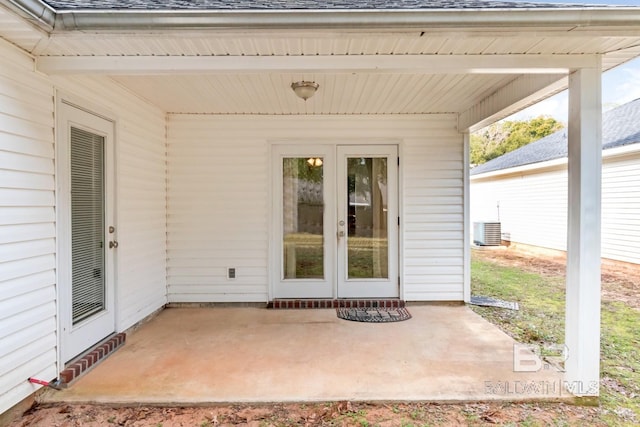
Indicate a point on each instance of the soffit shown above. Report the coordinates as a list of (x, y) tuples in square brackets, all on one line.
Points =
[(17, 31)]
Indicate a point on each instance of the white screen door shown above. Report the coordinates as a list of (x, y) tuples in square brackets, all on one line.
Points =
[(85, 200), (335, 218)]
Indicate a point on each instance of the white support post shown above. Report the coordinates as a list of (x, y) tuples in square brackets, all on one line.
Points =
[(582, 322), (466, 226)]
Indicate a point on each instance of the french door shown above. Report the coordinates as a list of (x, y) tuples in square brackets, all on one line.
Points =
[(336, 221), (86, 239)]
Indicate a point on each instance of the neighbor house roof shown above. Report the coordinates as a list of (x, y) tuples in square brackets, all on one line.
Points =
[(298, 4), (620, 126)]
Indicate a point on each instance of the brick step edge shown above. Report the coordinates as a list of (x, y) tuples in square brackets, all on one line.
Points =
[(335, 303), (81, 365)]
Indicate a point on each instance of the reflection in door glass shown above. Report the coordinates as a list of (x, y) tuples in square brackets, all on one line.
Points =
[(367, 243), (303, 210)]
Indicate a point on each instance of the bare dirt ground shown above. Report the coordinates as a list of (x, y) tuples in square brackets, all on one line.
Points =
[(315, 414), (620, 282)]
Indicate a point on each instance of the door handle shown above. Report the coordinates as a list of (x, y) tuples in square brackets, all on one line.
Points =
[(113, 244)]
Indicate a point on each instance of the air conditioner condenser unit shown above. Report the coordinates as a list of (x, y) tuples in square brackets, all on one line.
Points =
[(486, 233)]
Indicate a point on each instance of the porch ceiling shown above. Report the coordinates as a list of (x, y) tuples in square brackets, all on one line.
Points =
[(343, 89), (348, 89), (270, 93)]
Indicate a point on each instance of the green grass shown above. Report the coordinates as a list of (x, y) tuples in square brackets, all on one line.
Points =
[(367, 256), (540, 320)]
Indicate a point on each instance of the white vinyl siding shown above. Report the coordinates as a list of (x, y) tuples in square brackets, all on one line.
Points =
[(27, 228), (533, 206), (140, 194), (28, 309), (218, 211), (219, 199), (621, 208), (433, 213)]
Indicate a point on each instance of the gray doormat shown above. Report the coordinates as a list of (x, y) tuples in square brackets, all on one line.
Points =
[(373, 315), (493, 302)]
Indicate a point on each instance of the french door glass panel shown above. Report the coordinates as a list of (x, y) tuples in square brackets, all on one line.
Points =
[(303, 222), (367, 237)]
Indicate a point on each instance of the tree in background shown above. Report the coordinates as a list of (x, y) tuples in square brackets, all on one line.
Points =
[(503, 137)]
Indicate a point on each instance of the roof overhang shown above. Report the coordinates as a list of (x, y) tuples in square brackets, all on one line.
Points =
[(41, 14), (481, 64)]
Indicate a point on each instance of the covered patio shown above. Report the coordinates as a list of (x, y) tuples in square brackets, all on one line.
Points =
[(191, 118), (249, 354)]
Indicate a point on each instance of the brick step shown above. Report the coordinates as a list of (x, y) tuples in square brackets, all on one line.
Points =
[(77, 367), (334, 303)]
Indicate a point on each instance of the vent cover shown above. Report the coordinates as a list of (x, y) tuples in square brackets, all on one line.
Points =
[(486, 233)]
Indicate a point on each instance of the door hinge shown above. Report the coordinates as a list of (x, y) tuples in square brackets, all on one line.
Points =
[(398, 160), (398, 221)]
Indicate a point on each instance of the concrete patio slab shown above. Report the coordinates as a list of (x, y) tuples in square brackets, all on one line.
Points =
[(212, 355)]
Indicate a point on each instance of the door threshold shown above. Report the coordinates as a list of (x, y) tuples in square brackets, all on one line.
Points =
[(91, 358), (336, 303)]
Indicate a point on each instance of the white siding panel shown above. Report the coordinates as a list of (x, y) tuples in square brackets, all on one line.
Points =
[(29, 249), (218, 212), (26, 162), (27, 228), (621, 208), (533, 207), (26, 232), (433, 214), (141, 194), (25, 215), (24, 267)]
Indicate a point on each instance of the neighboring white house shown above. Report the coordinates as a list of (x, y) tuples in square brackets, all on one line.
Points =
[(526, 189), (154, 152)]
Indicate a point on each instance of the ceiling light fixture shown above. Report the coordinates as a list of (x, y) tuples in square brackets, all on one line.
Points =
[(315, 161), (305, 90)]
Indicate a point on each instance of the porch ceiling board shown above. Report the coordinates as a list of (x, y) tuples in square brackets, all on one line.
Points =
[(344, 93), (618, 57), (411, 64), (517, 94)]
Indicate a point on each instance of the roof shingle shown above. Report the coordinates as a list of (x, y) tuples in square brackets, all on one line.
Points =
[(620, 126)]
